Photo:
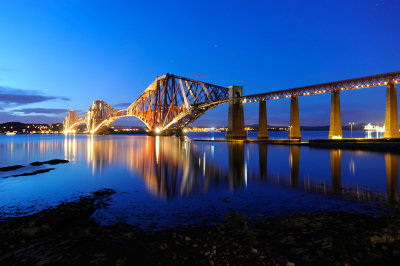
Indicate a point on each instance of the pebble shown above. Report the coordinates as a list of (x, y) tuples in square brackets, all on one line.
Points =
[(30, 231), (396, 253)]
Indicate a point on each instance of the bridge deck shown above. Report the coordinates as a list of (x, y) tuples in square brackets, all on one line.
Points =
[(342, 85)]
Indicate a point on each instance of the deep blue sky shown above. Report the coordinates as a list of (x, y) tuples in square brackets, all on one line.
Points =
[(57, 55)]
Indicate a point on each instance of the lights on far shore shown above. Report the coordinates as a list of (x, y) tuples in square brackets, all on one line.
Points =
[(66, 132)]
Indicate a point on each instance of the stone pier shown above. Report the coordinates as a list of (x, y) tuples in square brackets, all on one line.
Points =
[(294, 128), (391, 116), (235, 114), (335, 127), (262, 121), (179, 132)]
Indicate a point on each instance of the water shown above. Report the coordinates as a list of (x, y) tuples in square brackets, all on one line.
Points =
[(164, 182), (305, 135)]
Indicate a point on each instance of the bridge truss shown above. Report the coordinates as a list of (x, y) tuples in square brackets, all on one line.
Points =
[(170, 102), (343, 85)]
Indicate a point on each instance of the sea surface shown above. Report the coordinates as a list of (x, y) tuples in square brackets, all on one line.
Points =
[(163, 182)]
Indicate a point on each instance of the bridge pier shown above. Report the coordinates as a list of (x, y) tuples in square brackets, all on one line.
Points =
[(235, 114), (179, 132), (160, 133), (391, 116), (294, 128), (101, 131), (262, 121), (335, 127)]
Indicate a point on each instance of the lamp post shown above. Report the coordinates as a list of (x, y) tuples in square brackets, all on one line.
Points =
[(351, 129)]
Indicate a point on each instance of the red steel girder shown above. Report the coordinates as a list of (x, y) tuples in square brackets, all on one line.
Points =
[(173, 101)]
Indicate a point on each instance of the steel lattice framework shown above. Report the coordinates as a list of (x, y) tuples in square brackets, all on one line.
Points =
[(170, 102), (71, 120), (99, 116), (343, 85)]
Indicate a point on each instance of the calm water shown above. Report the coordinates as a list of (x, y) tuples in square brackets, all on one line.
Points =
[(164, 181)]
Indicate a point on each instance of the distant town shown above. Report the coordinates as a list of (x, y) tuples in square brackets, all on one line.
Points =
[(21, 128)]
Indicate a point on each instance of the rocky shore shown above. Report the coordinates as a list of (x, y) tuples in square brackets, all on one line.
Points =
[(66, 235)]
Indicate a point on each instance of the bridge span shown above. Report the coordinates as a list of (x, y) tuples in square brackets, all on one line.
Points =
[(172, 102)]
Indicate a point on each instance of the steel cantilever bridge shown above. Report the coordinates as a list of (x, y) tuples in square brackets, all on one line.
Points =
[(171, 102)]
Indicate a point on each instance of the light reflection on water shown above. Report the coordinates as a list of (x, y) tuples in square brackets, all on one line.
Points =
[(163, 181), (305, 135)]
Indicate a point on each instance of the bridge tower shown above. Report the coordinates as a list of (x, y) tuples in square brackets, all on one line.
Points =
[(391, 116), (262, 121), (235, 114), (294, 128), (70, 121), (335, 127), (99, 116)]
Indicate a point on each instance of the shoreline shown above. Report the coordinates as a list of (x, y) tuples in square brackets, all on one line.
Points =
[(66, 234)]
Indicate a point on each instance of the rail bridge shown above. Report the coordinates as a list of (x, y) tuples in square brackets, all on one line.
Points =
[(172, 102)]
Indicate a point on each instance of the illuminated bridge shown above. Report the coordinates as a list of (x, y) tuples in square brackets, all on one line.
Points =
[(171, 102)]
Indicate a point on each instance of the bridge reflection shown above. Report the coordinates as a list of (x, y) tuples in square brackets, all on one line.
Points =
[(392, 170), (174, 167)]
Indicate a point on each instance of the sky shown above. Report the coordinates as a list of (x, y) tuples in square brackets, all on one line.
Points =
[(57, 55)]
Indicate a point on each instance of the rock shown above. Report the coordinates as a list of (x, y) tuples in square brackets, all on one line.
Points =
[(396, 253), (45, 227), (30, 231), (104, 192), (36, 163), (236, 221), (381, 239), (10, 168)]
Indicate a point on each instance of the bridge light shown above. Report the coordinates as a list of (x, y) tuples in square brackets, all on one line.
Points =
[(91, 131), (158, 130)]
